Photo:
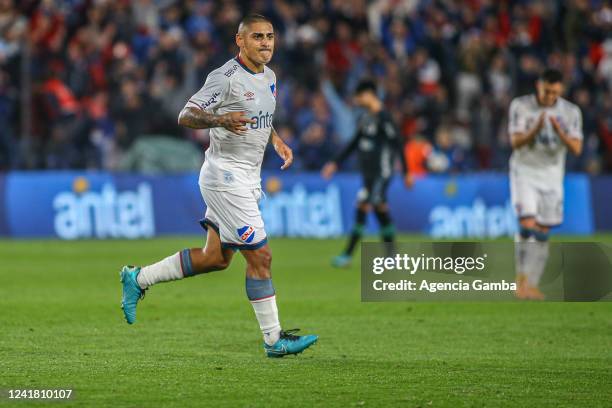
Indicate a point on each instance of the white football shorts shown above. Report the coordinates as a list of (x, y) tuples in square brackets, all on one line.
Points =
[(531, 198), (236, 217)]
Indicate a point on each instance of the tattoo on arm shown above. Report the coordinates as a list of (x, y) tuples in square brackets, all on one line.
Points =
[(199, 119)]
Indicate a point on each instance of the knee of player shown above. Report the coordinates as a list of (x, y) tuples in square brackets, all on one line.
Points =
[(266, 258), (222, 263), (218, 262), (263, 262)]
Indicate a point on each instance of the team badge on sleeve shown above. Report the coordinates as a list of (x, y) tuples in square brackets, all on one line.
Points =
[(273, 89), (246, 233)]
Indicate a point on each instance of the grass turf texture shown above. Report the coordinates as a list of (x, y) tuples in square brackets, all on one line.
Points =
[(196, 342)]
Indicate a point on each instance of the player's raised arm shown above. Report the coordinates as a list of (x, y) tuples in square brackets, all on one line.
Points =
[(571, 137), (520, 135), (200, 112), (197, 118)]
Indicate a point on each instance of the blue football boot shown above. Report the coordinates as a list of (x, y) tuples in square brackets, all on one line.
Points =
[(341, 261), (289, 343), (132, 292)]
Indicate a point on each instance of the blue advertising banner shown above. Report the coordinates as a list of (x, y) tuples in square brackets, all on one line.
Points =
[(441, 206), (3, 226), (101, 205), (73, 205), (601, 188)]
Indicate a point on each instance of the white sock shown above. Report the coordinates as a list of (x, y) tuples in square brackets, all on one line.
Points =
[(165, 270), (521, 254), (538, 256), (267, 316)]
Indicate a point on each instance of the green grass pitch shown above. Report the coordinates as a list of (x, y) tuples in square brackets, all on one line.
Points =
[(197, 343)]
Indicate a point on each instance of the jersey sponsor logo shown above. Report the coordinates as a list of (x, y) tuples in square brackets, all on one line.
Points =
[(246, 233), (212, 100), (262, 120), (231, 71), (249, 95)]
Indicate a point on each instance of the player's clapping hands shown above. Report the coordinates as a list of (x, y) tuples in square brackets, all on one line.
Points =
[(236, 122), (557, 126), (540, 123)]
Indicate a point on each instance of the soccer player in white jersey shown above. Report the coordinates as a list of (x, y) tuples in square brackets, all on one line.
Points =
[(542, 127), (237, 104)]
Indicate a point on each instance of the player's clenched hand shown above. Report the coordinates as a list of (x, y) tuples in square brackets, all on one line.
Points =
[(540, 123), (285, 153), (533, 133), (557, 126), (328, 170), (235, 122)]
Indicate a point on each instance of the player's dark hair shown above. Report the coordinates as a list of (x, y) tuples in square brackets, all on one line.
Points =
[(365, 85), (252, 18), (551, 76)]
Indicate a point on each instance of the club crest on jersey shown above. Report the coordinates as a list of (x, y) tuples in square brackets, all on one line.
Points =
[(273, 89), (246, 233), (249, 95)]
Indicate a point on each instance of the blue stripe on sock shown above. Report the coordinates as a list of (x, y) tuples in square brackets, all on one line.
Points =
[(186, 263), (526, 233), (259, 288), (540, 236)]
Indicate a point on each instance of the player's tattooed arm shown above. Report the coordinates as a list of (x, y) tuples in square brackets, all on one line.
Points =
[(573, 144), (521, 139), (281, 148), (196, 118)]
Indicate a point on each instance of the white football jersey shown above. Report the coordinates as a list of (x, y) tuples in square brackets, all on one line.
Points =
[(544, 159), (234, 161)]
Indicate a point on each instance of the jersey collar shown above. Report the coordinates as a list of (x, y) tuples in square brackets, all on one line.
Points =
[(243, 65)]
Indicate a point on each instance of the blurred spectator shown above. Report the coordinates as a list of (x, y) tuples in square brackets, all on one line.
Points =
[(315, 147), (417, 151), (102, 74), (446, 156)]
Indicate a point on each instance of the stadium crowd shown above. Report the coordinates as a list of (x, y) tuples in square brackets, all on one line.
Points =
[(82, 81)]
